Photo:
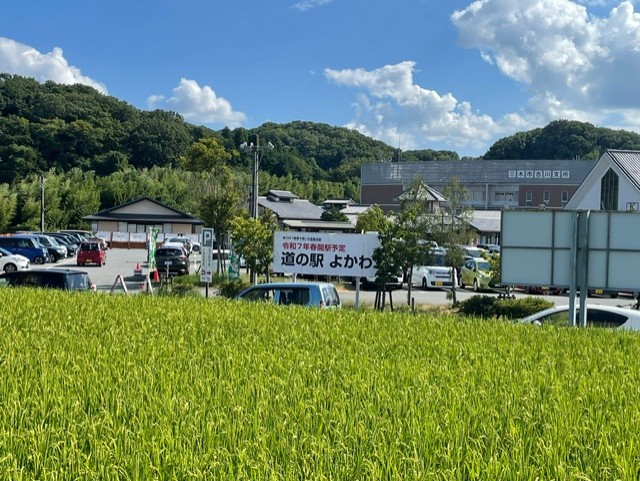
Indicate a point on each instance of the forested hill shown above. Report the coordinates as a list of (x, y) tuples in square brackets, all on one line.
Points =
[(563, 139), (49, 125)]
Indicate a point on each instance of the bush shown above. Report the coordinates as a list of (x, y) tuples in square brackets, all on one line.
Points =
[(479, 306), (488, 307), (231, 288)]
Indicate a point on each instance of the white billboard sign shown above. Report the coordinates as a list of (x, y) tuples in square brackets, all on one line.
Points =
[(536, 248), (323, 253)]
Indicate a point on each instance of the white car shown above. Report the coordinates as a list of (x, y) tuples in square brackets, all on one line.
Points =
[(12, 262), (597, 316), (437, 274)]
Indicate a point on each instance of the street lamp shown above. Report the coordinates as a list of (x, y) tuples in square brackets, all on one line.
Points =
[(255, 149)]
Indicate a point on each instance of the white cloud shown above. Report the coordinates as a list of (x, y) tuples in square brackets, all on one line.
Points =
[(19, 59), (305, 5), (574, 65), (392, 108), (198, 104), (569, 60)]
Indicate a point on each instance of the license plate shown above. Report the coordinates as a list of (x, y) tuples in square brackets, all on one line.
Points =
[(599, 291), (438, 283)]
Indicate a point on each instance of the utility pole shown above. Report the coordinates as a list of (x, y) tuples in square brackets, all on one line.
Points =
[(255, 149), (42, 181)]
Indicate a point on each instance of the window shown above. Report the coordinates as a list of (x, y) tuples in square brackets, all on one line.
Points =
[(545, 197), (609, 191), (529, 197), (565, 197)]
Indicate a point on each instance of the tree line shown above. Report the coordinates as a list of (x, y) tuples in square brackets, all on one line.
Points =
[(95, 151)]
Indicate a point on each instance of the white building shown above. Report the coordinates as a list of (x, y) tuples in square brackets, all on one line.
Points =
[(612, 184)]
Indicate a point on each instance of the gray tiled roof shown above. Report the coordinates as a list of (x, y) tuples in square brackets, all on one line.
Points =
[(295, 209), (424, 193), (629, 162), (486, 220)]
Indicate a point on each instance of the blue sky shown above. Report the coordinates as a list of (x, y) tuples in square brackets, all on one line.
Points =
[(455, 75)]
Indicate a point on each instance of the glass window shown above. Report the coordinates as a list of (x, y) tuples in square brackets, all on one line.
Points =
[(545, 196), (599, 318), (609, 191), (565, 196), (529, 197)]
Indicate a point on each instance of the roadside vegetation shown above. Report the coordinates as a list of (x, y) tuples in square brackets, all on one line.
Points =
[(141, 387)]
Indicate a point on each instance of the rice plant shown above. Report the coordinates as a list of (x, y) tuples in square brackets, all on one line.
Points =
[(137, 388)]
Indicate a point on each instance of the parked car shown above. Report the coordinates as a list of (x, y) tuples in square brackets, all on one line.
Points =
[(435, 275), (185, 241), (91, 252), (172, 260), (56, 278), (490, 248), (25, 245), (177, 245), (476, 272), (55, 250), (312, 294), (67, 241), (12, 262), (597, 316), (86, 235)]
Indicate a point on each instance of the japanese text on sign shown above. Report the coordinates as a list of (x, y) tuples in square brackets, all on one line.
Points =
[(325, 253)]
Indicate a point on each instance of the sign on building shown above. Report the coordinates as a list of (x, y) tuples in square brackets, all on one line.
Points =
[(323, 253)]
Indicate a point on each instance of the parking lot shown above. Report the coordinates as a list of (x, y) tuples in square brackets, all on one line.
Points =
[(122, 262)]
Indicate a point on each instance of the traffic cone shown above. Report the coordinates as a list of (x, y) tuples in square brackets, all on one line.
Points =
[(137, 271), (156, 276)]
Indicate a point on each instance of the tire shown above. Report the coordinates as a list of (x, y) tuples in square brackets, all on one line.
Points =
[(424, 284), (10, 268), (475, 285), (613, 295), (38, 260)]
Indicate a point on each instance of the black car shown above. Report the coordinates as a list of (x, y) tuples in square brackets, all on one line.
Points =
[(66, 279), (172, 260)]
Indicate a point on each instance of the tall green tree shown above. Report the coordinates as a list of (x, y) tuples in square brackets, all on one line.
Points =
[(451, 228), (412, 228), (8, 205), (372, 220), (253, 240)]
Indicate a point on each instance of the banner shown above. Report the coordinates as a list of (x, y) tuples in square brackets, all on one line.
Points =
[(325, 253)]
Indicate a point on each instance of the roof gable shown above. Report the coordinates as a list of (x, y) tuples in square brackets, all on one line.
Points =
[(144, 209), (628, 161)]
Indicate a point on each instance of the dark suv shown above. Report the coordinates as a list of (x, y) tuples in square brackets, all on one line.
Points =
[(172, 260), (66, 279)]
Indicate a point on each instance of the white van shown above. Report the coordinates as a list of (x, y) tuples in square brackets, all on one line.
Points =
[(437, 274)]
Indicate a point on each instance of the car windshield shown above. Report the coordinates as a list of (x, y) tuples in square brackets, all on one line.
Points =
[(438, 259), (484, 266), (45, 241)]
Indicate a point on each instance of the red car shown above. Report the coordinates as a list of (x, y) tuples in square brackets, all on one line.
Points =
[(92, 252)]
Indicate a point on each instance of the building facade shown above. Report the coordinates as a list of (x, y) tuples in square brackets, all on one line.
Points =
[(491, 184)]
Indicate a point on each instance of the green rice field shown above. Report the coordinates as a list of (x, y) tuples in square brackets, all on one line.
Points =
[(101, 387)]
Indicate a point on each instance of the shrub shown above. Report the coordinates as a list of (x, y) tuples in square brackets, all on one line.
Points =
[(487, 306), (519, 308), (231, 288), (479, 306)]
